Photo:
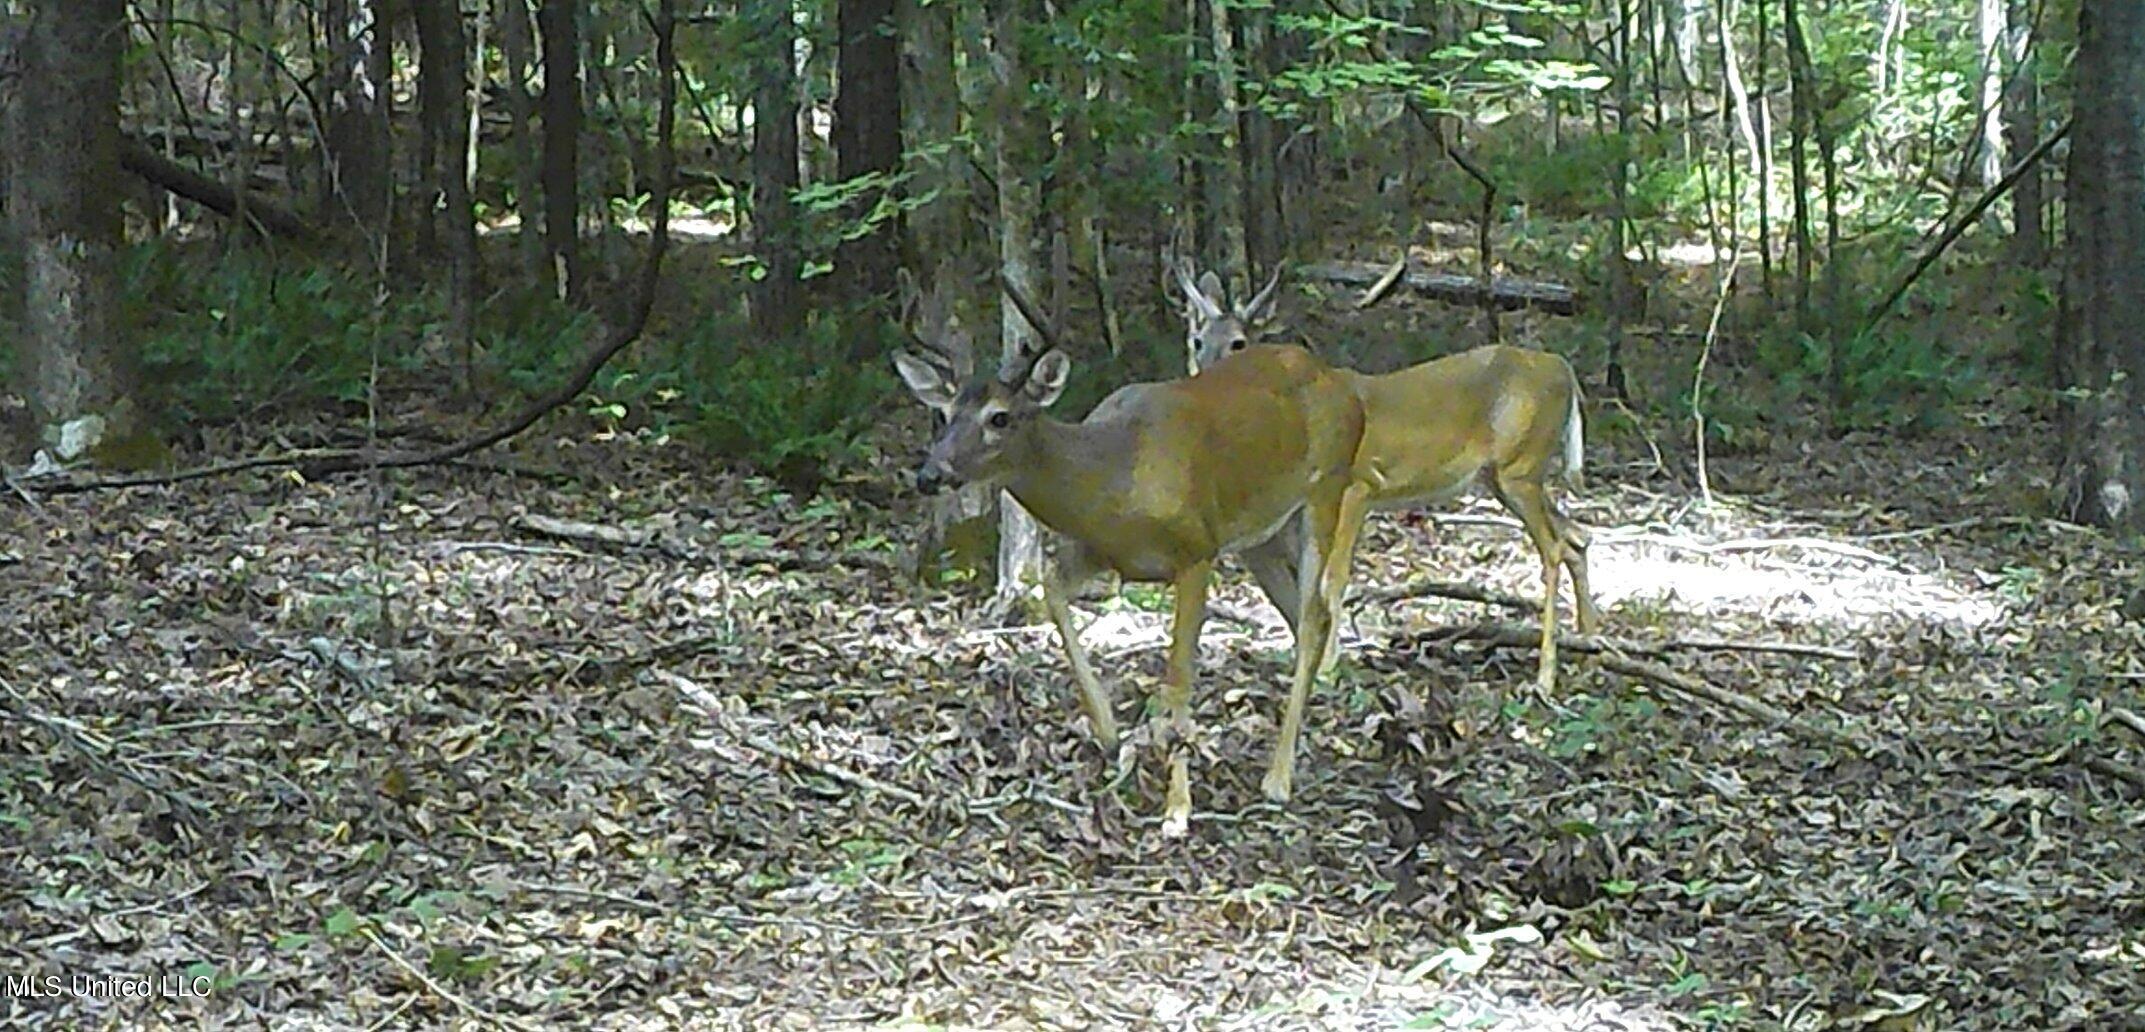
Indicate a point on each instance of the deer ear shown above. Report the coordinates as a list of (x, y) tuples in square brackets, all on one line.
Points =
[(1210, 285), (1047, 380), (928, 382)]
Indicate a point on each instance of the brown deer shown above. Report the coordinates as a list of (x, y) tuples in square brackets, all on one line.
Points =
[(1155, 484), (1502, 416)]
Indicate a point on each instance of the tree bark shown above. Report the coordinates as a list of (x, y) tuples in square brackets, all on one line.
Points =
[(1020, 549), (867, 140), (1800, 100), (2100, 355), (2022, 127), (66, 216), (1263, 244), (931, 116), (559, 22), (1991, 24), (360, 187), (444, 90), (517, 40), (776, 310), (1225, 181)]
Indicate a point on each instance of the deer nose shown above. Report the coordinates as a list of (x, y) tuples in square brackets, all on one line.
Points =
[(930, 478)]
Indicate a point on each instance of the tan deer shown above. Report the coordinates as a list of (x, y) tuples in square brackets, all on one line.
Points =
[(1503, 416), (1155, 484)]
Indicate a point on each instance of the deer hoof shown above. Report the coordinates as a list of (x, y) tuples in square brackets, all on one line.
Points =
[(1277, 785)]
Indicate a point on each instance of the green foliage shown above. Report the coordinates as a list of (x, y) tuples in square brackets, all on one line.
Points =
[(791, 410), (1894, 378), (252, 331)]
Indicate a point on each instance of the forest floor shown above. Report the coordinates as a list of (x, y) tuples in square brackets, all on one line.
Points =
[(374, 754)]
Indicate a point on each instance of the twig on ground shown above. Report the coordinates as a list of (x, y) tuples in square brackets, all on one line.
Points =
[(441, 991), (1514, 636), (1422, 587), (706, 701), (607, 535), (1426, 586), (2125, 718), (106, 759)]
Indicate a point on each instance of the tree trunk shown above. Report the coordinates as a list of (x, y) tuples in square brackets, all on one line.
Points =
[(1263, 244), (1800, 98), (359, 183), (931, 112), (1225, 181), (867, 140), (1764, 156), (776, 309), (517, 39), (66, 217), (1991, 22), (559, 22), (2022, 127), (1620, 292), (444, 89), (2100, 354), (1019, 150)]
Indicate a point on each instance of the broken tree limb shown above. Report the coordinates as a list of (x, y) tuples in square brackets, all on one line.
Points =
[(266, 215), (1504, 292), (1504, 635), (1430, 587), (616, 537)]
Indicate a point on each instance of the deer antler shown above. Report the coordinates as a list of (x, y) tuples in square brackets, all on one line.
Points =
[(926, 318), (1044, 328)]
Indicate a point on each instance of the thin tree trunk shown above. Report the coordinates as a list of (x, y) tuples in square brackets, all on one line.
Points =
[(776, 310), (1800, 99), (1619, 218), (358, 179), (65, 216), (518, 42), (1020, 551), (1262, 201), (867, 140), (1991, 22), (1225, 183), (444, 88), (559, 22), (931, 112), (1765, 157), (2101, 356), (2022, 127)]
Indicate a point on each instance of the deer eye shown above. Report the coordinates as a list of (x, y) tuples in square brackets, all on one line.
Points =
[(1000, 420)]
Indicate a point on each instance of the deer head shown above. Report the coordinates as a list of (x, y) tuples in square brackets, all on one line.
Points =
[(1214, 328), (984, 415)]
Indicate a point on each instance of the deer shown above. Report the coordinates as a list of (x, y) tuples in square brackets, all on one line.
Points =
[(1505, 417), (1155, 484)]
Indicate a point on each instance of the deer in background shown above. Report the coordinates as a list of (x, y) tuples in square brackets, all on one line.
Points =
[(1155, 484), (1503, 416)]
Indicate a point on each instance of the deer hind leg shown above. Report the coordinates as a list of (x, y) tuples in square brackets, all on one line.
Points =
[(1273, 564), (1529, 501), (1072, 569), (1332, 525), (1575, 541), (1191, 612)]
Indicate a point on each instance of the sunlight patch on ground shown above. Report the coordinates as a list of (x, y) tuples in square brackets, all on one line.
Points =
[(1794, 579)]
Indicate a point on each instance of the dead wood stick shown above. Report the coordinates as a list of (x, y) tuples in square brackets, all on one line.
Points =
[(1502, 635), (1422, 587), (439, 990), (612, 536), (708, 704), (2125, 718)]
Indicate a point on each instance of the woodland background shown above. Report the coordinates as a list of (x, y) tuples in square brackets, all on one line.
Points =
[(456, 563)]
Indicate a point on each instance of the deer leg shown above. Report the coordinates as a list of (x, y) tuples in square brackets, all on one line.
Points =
[(1073, 569), (1273, 563), (1529, 501), (1331, 525), (1191, 613), (1575, 544)]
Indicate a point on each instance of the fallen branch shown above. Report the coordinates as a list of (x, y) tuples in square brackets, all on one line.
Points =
[(105, 758), (711, 706), (610, 536), (266, 215), (1513, 636), (441, 991), (1425, 587), (1431, 587), (1504, 293)]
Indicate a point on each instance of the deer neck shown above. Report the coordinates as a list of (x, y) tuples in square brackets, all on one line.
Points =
[(1064, 474)]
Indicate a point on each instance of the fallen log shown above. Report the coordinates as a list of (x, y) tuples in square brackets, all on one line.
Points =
[(217, 197), (1505, 293)]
